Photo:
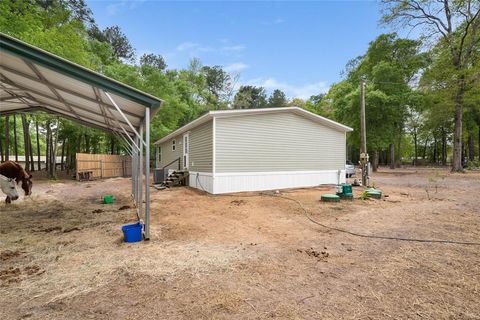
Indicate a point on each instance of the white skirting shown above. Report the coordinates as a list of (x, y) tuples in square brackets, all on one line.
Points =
[(201, 180), (257, 181)]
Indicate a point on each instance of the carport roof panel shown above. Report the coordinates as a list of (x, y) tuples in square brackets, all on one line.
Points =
[(28, 72)]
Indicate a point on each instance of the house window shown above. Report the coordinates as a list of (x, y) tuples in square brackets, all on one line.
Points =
[(174, 146), (159, 154)]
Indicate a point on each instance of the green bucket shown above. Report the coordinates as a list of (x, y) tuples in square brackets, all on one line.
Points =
[(108, 199), (347, 188)]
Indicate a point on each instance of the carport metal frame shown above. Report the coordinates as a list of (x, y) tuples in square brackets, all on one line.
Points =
[(136, 138)]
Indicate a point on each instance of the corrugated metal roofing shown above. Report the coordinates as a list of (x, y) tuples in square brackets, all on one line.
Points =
[(33, 79)]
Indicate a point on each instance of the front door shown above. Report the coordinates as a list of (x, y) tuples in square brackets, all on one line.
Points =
[(186, 146)]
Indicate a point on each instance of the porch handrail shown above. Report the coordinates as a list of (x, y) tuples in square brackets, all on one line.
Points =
[(172, 162)]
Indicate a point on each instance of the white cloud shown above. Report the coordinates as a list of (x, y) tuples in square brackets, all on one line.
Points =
[(236, 67), (186, 46), (239, 47), (116, 7), (193, 48), (196, 49), (294, 91)]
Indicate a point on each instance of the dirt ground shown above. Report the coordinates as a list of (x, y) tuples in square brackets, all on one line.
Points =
[(244, 256)]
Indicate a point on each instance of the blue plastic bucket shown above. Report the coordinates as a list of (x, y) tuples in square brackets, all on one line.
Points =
[(133, 232)]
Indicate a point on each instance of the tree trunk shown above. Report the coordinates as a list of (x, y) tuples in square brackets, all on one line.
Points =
[(424, 156), (444, 146), (54, 148), (415, 142), (63, 154), (25, 142), (87, 143), (434, 155), (392, 156), (47, 147), (1, 150), (398, 162), (457, 134), (112, 145), (15, 144), (32, 162), (39, 164), (471, 144), (67, 156), (375, 161), (7, 139)]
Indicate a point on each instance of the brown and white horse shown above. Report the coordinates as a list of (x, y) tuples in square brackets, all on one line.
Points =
[(13, 170)]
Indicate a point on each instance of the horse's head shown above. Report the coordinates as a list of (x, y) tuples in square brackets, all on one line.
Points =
[(9, 187), (27, 184)]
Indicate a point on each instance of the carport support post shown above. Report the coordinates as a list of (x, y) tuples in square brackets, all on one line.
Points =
[(147, 174), (135, 175), (140, 174)]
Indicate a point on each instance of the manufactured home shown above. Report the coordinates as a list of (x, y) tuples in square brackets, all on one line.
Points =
[(256, 149)]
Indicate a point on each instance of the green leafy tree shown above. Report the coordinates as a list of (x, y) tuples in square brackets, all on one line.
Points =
[(219, 85), (250, 97), (457, 25), (389, 66), (121, 46), (277, 99), (152, 60)]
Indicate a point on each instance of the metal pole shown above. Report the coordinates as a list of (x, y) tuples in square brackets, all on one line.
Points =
[(134, 184), (363, 135), (147, 174), (136, 176), (139, 135), (140, 174)]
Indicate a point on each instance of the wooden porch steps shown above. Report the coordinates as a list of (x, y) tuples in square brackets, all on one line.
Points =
[(176, 178)]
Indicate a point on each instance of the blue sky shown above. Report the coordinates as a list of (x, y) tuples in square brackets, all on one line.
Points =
[(299, 47)]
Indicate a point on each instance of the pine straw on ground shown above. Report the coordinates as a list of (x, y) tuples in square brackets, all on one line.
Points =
[(242, 256)]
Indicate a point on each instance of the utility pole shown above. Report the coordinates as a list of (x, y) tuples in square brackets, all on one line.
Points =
[(363, 135)]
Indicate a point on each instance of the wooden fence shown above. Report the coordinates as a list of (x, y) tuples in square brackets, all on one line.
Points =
[(103, 165)]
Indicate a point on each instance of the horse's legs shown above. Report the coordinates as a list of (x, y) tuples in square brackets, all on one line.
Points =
[(8, 200)]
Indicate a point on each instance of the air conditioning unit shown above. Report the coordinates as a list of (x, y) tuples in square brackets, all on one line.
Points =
[(158, 175)]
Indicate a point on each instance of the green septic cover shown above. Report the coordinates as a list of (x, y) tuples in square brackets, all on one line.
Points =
[(330, 197), (374, 194)]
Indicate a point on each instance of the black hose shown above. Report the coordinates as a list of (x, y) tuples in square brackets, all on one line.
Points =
[(375, 236)]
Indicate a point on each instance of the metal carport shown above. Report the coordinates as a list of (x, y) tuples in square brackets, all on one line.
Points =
[(32, 79)]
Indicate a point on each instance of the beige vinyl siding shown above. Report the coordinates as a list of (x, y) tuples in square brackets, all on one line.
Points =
[(276, 142), (201, 148), (168, 155)]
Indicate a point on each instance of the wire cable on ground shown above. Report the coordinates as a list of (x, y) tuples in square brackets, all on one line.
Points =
[(361, 235), (372, 236)]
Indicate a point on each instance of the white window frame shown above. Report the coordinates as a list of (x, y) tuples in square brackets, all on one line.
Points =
[(186, 150), (174, 145)]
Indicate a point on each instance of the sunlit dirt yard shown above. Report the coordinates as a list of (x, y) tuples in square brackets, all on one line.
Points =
[(244, 256)]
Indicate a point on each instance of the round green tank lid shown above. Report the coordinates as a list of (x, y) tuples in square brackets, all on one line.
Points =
[(330, 197)]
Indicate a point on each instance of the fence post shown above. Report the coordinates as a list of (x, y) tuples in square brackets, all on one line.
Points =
[(101, 169)]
